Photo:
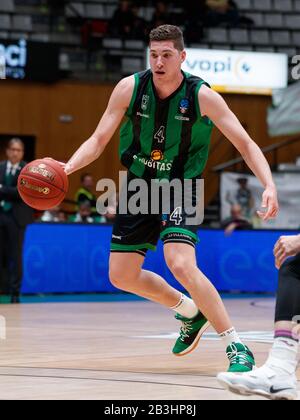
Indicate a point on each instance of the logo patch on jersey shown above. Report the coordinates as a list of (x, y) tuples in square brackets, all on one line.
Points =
[(184, 106), (164, 221), (145, 102), (142, 115), (157, 155)]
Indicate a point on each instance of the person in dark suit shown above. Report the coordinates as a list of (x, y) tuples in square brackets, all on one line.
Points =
[(15, 215)]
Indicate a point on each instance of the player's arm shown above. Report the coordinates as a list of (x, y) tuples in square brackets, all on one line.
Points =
[(286, 246), (92, 148), (213, 106)]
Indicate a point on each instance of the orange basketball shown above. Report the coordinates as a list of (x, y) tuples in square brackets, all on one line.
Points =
[(43, 184)]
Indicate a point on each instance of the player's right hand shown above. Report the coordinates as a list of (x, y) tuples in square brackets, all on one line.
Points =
[(269, 204), (62, 164)]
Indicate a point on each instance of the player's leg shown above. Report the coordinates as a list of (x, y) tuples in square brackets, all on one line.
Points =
[(126, 273), (132, 236), (276, 379), (181, 260)]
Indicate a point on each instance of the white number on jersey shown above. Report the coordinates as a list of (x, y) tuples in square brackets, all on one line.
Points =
[(160, 135), (176, 216)]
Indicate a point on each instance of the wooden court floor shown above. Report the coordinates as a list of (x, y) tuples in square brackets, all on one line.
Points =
[(119, 350)]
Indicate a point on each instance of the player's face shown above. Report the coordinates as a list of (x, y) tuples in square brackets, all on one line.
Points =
[(165, 60)]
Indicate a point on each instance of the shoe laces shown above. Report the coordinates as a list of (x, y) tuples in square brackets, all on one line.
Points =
[(185, 329), (235, 356)]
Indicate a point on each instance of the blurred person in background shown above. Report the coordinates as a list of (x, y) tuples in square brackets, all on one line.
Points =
[(139, 29), (15, 215), (53, 215), (62, 216), (236, 221), (84, 214), (242, 196), (160, 15), (222, 11), (85, 192), (195, 20), (122, 20)]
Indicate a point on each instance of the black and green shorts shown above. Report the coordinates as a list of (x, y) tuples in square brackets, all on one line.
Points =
[(140, 232)]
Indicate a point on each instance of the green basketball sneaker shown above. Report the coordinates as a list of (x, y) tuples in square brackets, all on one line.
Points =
[(190, 333), (240, 357)]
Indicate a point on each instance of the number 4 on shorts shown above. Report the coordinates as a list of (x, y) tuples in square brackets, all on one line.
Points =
[(176, 216)]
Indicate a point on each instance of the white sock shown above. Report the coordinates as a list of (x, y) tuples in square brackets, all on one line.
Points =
[(230, 336), (283, 356), (186, 307)]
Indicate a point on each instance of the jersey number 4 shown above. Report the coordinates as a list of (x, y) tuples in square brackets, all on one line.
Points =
[(160, 135), (176, 216)]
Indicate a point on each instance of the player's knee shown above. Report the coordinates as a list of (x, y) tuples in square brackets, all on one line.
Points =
[(121, 278), (180, 268), (116, 277)]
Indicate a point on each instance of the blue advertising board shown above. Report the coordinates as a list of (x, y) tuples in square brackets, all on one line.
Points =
[(68, 258)]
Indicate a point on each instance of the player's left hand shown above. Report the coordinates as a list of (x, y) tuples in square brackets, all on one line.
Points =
[(286, 246), (269, 203)]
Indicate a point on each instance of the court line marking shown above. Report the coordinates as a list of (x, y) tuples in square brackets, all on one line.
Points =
[(108, 370), (110, 380), (200, 375), (262, 304)]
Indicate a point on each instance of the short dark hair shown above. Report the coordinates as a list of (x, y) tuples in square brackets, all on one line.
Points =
[(168, 33), (85, 175), (15, 140)]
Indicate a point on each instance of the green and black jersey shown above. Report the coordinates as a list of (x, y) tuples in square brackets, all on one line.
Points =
[(167, 138)]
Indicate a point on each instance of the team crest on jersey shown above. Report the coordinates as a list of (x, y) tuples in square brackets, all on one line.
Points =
[(145, 102), (164, 220), (157, 155), (184, 106)]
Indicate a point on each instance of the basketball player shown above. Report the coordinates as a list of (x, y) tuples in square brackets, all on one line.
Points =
[(276, 379), (170, 116)]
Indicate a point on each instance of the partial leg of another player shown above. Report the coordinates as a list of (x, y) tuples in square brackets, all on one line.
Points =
[(181, 260), (276, 379)]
